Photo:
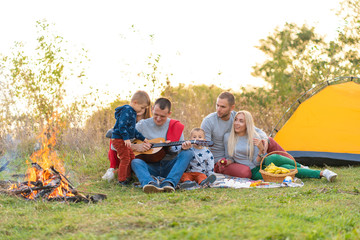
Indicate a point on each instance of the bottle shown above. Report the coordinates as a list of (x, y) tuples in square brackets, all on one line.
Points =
[(287, 180)]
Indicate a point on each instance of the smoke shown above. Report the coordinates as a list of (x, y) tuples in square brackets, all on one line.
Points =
[(8, 160)]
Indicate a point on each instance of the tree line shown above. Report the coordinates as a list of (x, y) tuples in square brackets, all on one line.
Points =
[(32, 86)]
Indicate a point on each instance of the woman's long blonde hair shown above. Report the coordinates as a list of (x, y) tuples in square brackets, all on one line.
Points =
[(250, 132)]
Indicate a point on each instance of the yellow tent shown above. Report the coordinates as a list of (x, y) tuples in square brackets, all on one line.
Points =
[(325, 126)]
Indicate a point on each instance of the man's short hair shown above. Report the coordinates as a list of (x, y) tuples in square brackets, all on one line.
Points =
[(229, 96), (163, 103), (141, 97)]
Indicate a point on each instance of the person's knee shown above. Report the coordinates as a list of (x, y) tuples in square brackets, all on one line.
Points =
[(238, 170), (125, 161), (246, 173), (288, 166), (186, 155), (187, 152), (136, 162)]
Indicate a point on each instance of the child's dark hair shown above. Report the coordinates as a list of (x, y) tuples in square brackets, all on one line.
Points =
[(141, 97), (163, 103), (197, 130)]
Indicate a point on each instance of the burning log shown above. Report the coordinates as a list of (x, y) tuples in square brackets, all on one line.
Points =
[(27, 189), (46, 177), (37, 166), (48, 184), (56, 187), (78, 197), (62, 176)]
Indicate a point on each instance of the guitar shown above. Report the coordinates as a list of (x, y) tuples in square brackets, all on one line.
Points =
[(157, 152)]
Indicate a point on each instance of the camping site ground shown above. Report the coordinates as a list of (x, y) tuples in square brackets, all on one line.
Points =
[(318, 210)]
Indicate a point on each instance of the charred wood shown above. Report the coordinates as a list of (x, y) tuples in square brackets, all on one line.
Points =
[(19, 175), (37, 166), (62, 176), (27, 189)]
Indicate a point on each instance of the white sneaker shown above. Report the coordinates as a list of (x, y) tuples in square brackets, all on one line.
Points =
[(330, 176), (109, 175)]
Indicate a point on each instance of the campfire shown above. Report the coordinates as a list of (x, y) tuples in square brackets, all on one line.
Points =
[(45, 178)]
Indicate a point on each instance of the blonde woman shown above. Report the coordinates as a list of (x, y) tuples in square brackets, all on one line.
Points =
[(242, 147), (244, 150)]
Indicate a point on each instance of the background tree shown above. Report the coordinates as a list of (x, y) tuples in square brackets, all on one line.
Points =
[(33, 81), (348, 43), (287, 51), (298, 57)]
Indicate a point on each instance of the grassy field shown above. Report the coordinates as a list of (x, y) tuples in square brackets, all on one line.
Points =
[(318, 210)]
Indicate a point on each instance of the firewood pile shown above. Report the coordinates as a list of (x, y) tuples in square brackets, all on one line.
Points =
[(45, 177), (48, 184)]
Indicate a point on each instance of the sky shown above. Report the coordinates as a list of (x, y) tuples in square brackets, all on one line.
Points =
[(196, 39)]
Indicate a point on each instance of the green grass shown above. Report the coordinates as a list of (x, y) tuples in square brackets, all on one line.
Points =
[(318, 210)]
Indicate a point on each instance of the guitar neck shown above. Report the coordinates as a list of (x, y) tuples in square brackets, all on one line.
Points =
[(155, 145), (199, 142)]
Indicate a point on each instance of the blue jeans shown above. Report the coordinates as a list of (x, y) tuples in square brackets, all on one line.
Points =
[(171, 170)]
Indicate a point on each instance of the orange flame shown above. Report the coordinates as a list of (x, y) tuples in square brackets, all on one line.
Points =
[(46, 158)]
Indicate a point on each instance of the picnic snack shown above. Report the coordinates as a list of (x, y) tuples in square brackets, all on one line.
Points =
[(272, 168), (256, 183), (223, 161)]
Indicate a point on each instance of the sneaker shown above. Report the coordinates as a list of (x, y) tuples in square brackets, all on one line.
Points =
[(210, 179), (330, 176), (109, 175), (152, 187), (167, 187), (187, 184)]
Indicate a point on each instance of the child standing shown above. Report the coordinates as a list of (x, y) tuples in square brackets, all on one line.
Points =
[(124, 130), (112, 154), (201, 168)]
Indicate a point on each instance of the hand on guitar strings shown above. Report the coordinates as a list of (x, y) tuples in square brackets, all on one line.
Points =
[(142, 147)]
